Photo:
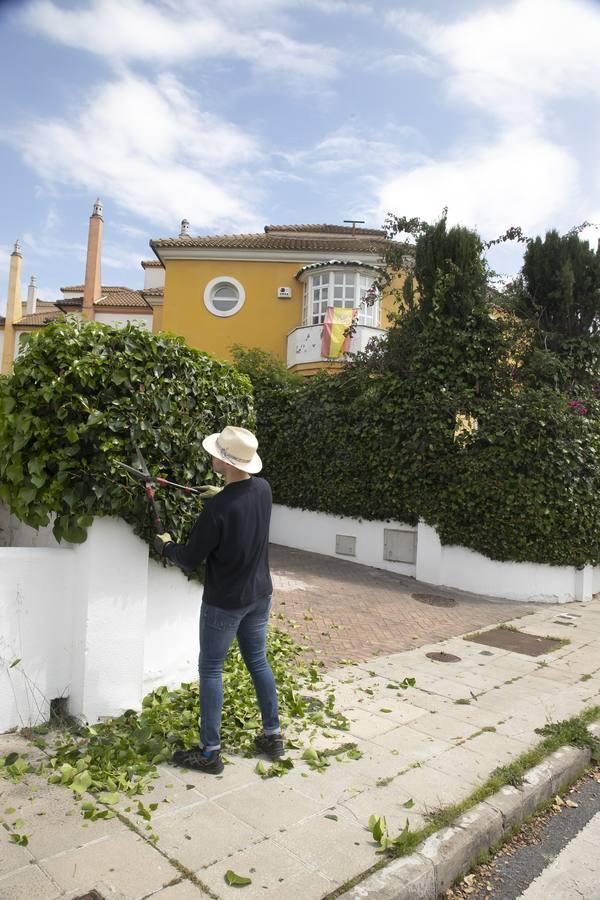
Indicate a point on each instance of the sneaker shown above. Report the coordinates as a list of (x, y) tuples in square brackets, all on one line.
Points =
[(195, 759), (270, 744)]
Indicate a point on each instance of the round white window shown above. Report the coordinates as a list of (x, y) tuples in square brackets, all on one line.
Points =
[(224, 296)]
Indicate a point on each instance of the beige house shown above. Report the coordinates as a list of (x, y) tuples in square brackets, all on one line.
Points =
[(91, 300)]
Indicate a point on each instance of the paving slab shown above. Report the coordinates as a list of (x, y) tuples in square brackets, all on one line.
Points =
[(28, 884), (338, 850), (410, 746), (388, 800), (63, 826), (270, 806), (183, 890), (124, 861), (276, 872), (202, 834)]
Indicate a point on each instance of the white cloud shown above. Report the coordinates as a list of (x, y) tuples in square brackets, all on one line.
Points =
[(405, 62), (520, 180), (522, 64), (347, 152), (162, 32), (511, 59), (151, 149)]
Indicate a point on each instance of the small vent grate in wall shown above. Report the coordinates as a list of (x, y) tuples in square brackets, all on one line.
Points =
[(345, 544), (399, 545)]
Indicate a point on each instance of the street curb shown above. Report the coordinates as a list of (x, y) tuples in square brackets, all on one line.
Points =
[(427, 873)]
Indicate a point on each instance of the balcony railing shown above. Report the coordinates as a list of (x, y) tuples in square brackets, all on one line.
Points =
[(304, 343)]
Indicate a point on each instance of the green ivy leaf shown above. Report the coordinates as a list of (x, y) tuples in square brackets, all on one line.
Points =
[(236, 880)]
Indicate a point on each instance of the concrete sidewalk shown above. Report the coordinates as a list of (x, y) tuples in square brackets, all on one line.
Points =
[(304, 835)]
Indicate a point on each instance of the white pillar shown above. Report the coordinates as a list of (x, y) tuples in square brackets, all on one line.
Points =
[(109, 621), (31, 296), (583, 584), (429, 554)]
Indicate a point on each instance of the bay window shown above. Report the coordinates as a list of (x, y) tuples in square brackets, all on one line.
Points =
[(339, 286)]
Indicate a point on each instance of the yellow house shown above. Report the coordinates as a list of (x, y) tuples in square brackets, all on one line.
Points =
[(269, 290), (278, 290)]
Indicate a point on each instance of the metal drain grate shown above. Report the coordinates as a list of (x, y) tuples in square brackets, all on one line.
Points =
[(434, 599)]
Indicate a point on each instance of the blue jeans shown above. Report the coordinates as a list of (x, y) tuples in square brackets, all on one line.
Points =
[(218, 630)]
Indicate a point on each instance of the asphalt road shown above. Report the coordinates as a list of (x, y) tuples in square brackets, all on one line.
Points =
[(542, 849)]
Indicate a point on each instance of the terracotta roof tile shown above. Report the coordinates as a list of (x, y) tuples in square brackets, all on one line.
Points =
[(38, 319), (74, 302), (151, 264), (112, 295), (153, 292), (121, 296), (336, 243), (326, 229)]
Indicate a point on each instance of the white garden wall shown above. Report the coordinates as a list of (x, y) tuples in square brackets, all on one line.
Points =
[(455, 567), (98, 623), (314, 531)]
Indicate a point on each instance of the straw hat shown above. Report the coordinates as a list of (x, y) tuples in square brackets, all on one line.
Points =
[(236, 446)]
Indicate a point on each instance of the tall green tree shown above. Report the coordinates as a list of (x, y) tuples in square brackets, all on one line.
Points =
[(559, 291), (450, 272)]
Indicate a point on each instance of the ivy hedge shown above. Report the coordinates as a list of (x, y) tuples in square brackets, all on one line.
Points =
[(525, 486), (80, 395), (465, 414)]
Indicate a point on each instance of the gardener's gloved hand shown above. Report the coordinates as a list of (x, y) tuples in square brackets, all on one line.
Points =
[(161, 541), (208, 491)]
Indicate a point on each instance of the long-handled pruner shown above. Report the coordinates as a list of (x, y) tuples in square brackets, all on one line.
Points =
[(142, 474), (149, 486)]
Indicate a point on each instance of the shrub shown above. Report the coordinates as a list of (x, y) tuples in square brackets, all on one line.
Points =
[(80, 395)]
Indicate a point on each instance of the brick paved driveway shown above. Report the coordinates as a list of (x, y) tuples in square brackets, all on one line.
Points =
[(347, 611)]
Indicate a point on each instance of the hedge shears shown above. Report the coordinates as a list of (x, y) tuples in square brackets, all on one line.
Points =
[(150, 484)]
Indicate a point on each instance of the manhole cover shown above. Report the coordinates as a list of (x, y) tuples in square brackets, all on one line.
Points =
[(443, 657), (434, 599), (516, 641)]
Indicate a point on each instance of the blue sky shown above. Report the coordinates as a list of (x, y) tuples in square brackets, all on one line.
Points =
[(239, 113)]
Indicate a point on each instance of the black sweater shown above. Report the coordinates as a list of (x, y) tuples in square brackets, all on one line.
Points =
[(232, 535)]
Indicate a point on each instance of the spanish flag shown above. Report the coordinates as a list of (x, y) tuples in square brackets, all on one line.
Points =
[(334, 341)]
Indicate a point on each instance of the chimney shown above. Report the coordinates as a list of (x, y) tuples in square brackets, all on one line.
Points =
[(185, 228), (31, 296), (92, 288), (13, 308)]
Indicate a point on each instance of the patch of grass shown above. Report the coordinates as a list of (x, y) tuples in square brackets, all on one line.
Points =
[(487, 729), (462, 701), (563, 642), (585, 677), (504, 627), (381, 782), (472, 635), (572, 731)]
